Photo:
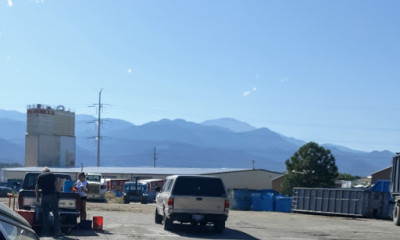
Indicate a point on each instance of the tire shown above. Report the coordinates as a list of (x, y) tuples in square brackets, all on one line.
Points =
[(158, 218), (126, 201), (168, 223), (66, 230), (396, 215), (219, 226)]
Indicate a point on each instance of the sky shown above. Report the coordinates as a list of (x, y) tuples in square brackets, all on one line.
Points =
[(324, 71)]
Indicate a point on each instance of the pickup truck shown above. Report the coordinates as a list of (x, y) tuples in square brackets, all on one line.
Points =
[(69, 203), (192, 199)]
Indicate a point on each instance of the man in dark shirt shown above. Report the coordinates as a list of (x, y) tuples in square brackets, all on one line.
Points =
[(47, 182)]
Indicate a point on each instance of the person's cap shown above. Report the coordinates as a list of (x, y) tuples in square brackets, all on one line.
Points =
[(46, 169)]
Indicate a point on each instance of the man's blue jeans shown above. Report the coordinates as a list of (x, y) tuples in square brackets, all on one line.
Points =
[(50, 203)]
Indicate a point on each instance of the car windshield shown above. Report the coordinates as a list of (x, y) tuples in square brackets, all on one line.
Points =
[(191, 186), (132, 187), (93, 178)]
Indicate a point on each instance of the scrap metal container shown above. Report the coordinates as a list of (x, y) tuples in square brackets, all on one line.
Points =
[(330, 201), (346, 202), (395, 183)]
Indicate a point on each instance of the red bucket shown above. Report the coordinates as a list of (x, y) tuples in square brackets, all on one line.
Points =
[(98, 223)]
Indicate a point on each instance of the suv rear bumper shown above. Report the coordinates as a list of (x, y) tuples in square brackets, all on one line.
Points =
[(187, 217)]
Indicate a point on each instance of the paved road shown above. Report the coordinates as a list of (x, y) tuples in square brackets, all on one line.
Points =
[(241, 225)]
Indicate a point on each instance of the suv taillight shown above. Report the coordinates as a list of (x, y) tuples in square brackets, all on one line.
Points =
[(170, 202), (227, 205)]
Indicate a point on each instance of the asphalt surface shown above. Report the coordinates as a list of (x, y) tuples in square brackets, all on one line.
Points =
[(135, 221)]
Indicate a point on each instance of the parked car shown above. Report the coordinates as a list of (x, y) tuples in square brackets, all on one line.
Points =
[(135, 192), (13, 226), (192, 199)]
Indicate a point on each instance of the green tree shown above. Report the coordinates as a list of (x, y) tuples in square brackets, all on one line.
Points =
[(346, 176), (311, 166)]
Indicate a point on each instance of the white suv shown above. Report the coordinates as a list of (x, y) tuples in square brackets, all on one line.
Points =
[(192, 199)]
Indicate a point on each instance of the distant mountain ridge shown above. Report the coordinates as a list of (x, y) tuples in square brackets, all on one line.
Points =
[(214, 143), (231, 124)]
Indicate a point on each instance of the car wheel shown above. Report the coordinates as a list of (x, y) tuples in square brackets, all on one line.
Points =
[(126, 201), (219, 226), (168, 223), (66, 230), (396, 215), (158, 217)]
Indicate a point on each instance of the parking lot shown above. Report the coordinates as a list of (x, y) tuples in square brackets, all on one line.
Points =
[(136, 221)]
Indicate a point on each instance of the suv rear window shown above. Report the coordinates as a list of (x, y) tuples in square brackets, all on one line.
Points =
[(192, 186), (31, 178)]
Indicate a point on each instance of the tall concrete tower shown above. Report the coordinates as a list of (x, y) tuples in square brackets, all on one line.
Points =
[(50, 137)]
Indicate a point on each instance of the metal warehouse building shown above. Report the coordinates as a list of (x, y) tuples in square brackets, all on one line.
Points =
[(232, 177)]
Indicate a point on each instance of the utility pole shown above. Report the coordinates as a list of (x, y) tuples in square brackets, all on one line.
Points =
[(252, 163), (154, 157), (98, 138), (99, 122)]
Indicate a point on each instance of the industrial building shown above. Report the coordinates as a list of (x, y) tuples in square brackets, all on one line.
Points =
[(233, 178), (50, 137), (383, 174)]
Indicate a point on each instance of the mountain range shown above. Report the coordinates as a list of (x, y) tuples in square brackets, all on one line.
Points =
[(216, 143)]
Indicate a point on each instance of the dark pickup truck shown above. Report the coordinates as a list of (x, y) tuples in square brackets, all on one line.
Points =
[(69, 203)]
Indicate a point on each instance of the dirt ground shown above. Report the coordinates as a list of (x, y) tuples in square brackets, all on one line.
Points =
[(136, 221)]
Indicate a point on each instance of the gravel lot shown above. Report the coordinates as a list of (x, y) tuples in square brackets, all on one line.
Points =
[(136, 221)]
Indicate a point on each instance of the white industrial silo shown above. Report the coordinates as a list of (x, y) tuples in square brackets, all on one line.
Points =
[(50, 137)]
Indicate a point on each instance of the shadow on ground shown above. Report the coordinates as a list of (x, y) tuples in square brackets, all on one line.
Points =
[(206, 232), (78, 234)]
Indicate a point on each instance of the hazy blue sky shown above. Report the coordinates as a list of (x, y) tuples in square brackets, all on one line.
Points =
[(326, 71)]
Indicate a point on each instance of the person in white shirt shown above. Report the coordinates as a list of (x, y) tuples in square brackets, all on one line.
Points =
[(81, 187)]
